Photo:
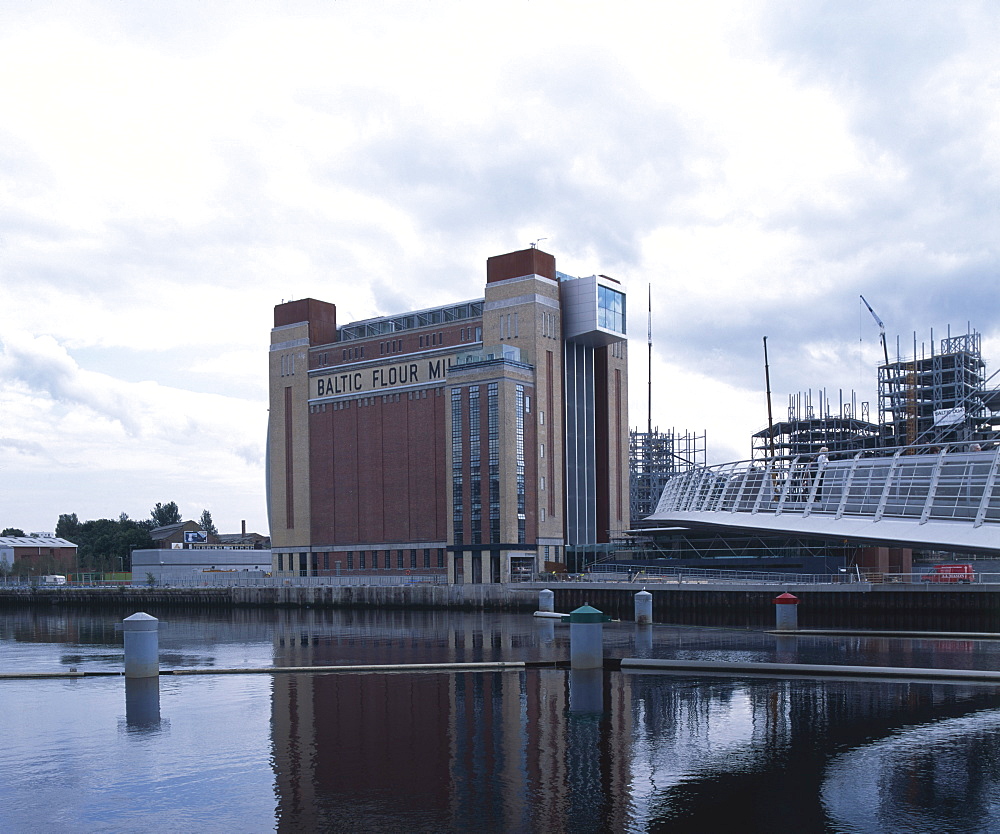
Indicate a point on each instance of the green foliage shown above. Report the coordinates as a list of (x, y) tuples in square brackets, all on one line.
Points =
[(164, 514), (67, 527), (207, 524), (16, 531), (105, 544)]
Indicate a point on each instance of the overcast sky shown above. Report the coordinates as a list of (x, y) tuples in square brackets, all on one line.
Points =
[(171, 171)]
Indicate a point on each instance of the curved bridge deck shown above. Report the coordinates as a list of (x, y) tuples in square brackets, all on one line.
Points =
[(919, 496)]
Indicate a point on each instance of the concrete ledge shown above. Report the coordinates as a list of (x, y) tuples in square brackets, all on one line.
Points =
[(857, 632), (808, 670)]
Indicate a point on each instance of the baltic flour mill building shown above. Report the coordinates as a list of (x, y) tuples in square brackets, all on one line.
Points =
[(487, 439)]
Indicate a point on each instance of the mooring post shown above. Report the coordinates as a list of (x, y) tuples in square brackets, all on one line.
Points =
[(142, 646), (786, 613), (586, 645), (546, 601), (643, 608)]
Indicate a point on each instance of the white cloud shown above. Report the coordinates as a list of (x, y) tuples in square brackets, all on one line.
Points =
[(168, 173)]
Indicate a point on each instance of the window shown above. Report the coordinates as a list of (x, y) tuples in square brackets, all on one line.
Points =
[(440, 561), (361, 559), (281, 561), (610, 309), (413, 558), (350, 560), (399, 560), (427, 556)]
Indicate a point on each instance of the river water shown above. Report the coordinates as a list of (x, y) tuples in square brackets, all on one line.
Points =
[(537, 750)]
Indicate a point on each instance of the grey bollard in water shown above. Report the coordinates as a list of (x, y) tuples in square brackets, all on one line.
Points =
[(546, 601), (586, 644), (786, 612), (142, 646), (643, 607)]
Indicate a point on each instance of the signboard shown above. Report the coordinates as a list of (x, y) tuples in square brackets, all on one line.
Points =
[(379, 378), (195, 537), (949, 416)]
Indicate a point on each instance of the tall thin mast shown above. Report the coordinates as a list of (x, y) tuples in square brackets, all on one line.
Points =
[(767, 382), (649, 387)]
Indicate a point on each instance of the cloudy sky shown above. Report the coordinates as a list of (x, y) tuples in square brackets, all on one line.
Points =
[(170, 171)]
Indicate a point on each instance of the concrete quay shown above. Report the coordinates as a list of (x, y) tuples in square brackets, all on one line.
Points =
[(891, 606), (459, 597)]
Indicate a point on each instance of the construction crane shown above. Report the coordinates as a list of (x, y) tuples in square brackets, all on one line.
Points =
[(881, 330), (911, 394)]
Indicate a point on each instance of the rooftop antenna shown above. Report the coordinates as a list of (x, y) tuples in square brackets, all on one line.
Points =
[(534, 243)]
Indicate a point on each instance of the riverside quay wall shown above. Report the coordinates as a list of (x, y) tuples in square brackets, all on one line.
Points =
[(461, 597), (860, 605)]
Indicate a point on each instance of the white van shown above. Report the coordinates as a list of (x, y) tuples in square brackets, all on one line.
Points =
[(54, 579)]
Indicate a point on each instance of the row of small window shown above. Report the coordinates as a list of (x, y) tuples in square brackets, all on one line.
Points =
[(403, 559), (431, 339), (288, 364), (392, 346), (470, 334), (508, 326), (368, 401), (353, 353), (550, 326)]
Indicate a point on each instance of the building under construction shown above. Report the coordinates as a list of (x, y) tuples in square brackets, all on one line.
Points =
[(809, 427), (655, 457), (940, 396), (937, 396)]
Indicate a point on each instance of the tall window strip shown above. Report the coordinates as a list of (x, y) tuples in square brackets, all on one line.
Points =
[(458, 497), (519, 452), (493, 429), (550, 408), (618, 440), (289, 470), (475, 468)]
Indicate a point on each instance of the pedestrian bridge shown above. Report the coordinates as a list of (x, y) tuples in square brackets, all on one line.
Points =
[(918, 496)]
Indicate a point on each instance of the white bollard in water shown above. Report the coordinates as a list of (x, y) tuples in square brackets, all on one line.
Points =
[(546, 601), (643, 607), (142, 646)]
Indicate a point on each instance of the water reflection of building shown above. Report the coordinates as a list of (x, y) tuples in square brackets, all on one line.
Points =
[(503, 751), (447, 750)]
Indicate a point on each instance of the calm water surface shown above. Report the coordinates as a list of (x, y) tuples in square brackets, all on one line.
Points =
[(535, 751)]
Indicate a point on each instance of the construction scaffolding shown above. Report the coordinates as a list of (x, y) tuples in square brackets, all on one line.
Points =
[(809, 428), (940, 396), (655, 457)]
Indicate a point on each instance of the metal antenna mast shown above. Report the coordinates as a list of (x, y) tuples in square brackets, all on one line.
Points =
[(649, 371)]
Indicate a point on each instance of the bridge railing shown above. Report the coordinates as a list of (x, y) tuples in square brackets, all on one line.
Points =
[(914, 482)]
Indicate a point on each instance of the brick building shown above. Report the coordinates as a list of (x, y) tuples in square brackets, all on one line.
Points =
[(487, 439)]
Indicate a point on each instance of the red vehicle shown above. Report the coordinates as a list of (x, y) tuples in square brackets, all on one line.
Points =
[(949, 573)]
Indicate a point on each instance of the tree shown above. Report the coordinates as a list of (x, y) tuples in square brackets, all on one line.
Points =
[(16, 531), (207, 524), (67, 527), (164, 514)]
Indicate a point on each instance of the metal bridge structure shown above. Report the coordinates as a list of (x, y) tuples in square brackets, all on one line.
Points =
[(940, 497)]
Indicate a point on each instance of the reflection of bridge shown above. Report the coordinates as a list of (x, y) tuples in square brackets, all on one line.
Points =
[(918, 496)]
